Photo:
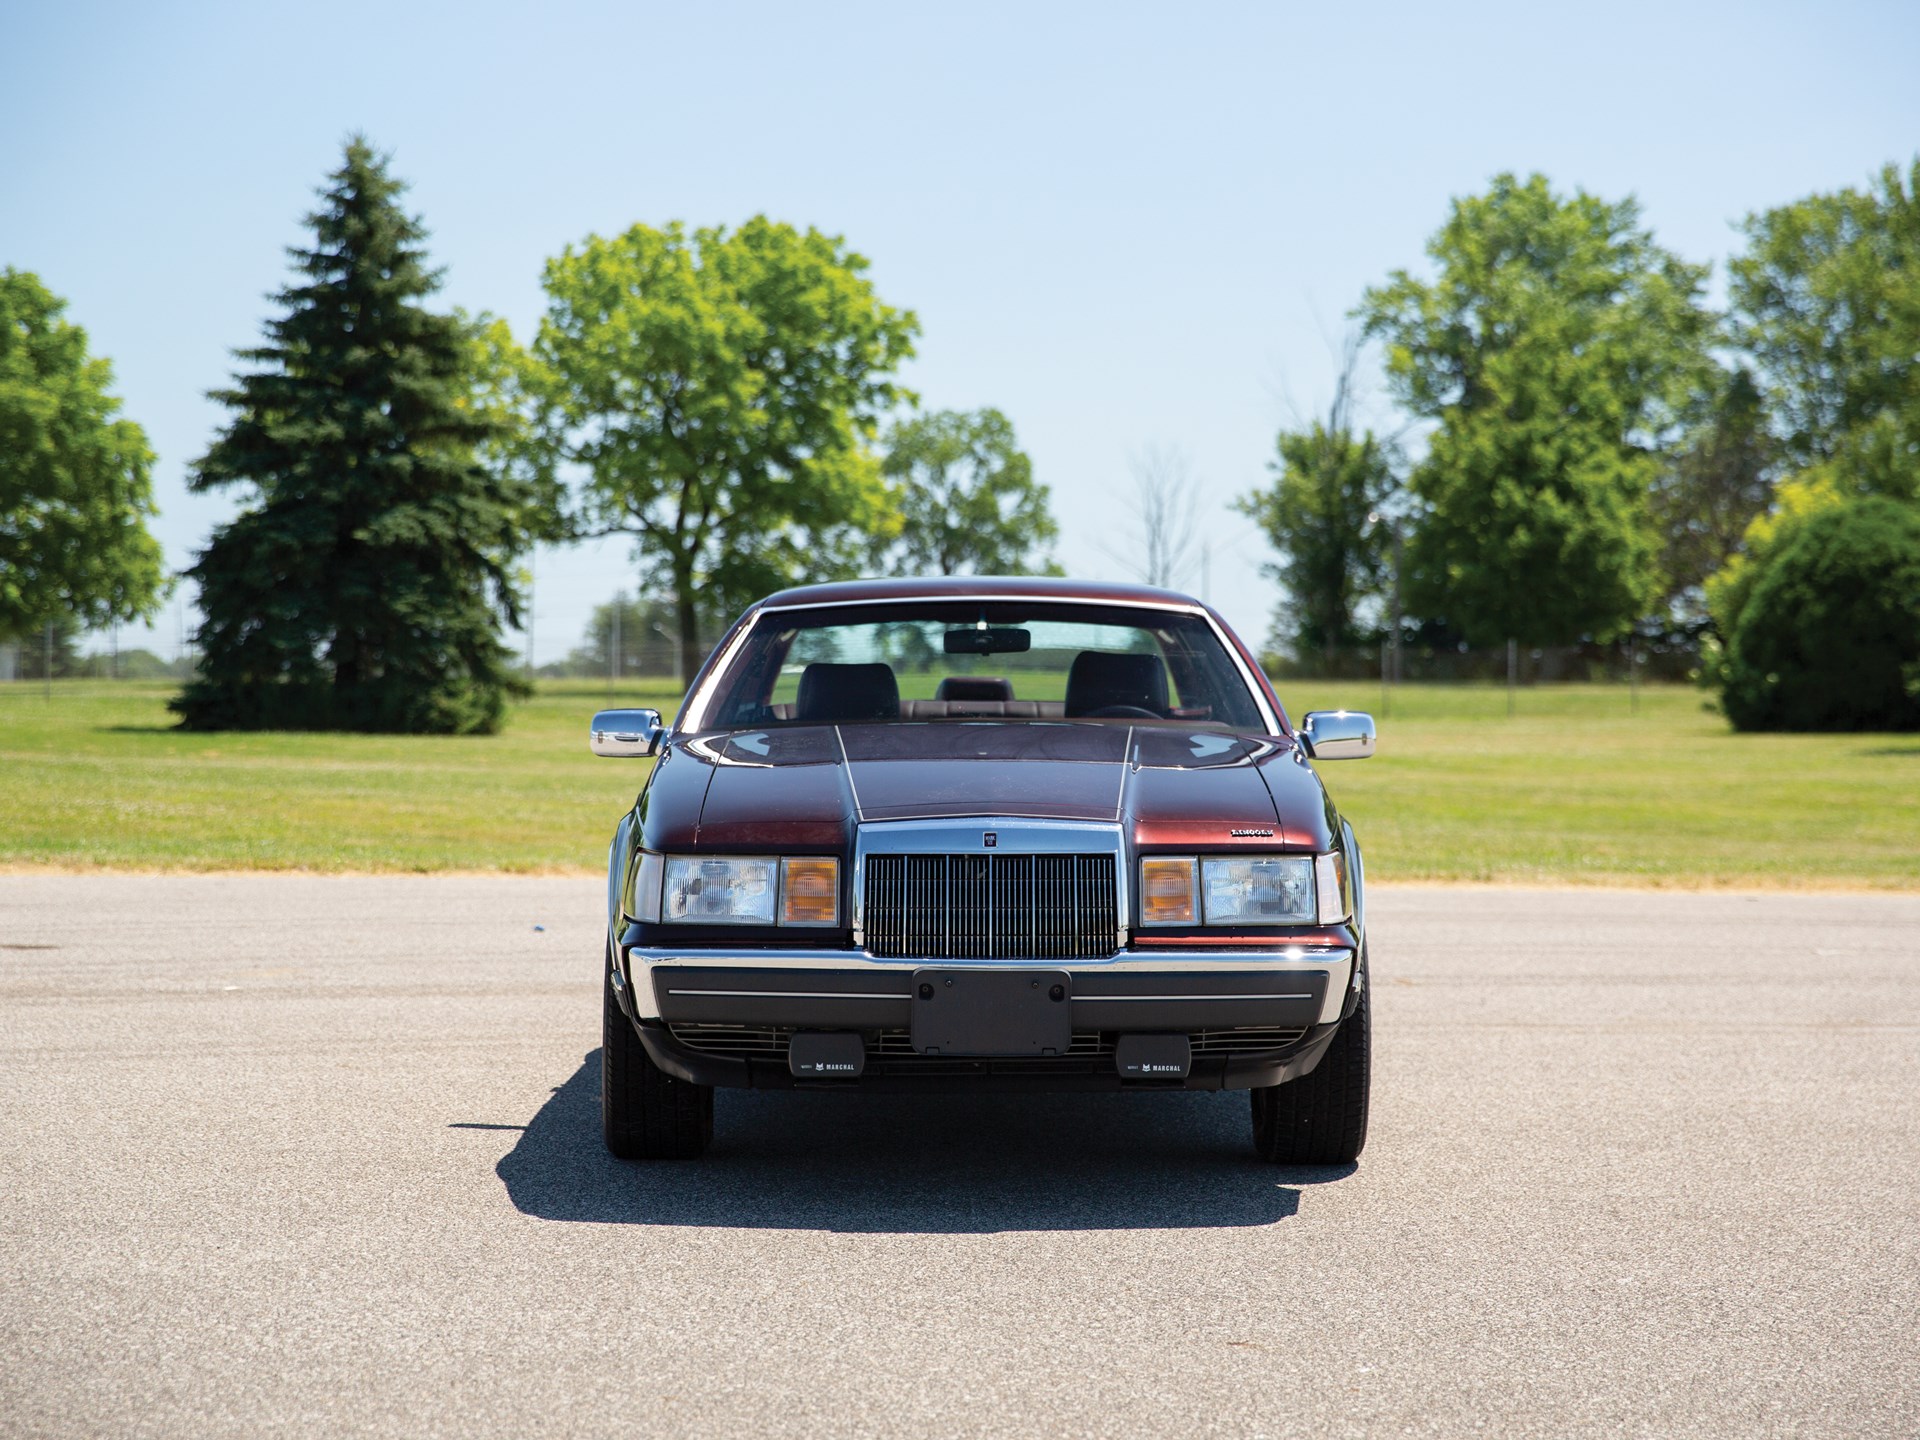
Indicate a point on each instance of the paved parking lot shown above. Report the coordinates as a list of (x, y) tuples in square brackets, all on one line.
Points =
[(319, 1156)]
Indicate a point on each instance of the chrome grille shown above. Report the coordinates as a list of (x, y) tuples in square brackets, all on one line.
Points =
[(992, 906)]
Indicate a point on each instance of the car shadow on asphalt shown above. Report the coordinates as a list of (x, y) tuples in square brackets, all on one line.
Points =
[(886, 1164)]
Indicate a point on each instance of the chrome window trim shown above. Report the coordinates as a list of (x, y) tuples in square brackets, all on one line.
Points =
[(694, 716)]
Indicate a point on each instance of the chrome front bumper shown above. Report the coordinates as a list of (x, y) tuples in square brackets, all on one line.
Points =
[(850, 988)]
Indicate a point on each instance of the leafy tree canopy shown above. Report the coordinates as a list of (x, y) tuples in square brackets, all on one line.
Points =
[(718, 389), (1827, 301), (1714, 484), (75, 481), (969, 504), (363, 585), (1555, 346), (1322, 514), (1829, 635)]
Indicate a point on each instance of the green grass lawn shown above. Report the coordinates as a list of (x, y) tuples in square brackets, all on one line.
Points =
[(1574, 788)]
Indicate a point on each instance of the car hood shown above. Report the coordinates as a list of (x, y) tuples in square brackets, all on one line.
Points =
[(809, 786)]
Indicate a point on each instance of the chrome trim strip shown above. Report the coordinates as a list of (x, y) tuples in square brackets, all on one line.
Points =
[(846, 768), (1191, 607), (859, 961), (1103, 999), (800, 994), (947, 835)]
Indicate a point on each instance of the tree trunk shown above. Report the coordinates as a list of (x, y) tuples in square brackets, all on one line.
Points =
[(688, 616)]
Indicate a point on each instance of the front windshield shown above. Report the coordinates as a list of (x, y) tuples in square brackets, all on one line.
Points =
[(973, 660)]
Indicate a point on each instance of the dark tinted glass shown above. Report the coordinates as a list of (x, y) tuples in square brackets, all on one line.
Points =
[(879, 663)]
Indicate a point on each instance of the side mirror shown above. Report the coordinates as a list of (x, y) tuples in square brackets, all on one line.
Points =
[(623, 734), (1338, 734)]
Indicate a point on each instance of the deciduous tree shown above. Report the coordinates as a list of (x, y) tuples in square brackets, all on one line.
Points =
[(1828, 636), (718, 391), (75, 477), (1714, 482), (1827, 302), (1165, 505), (969, 504), (1554, 345), (1321, 514)]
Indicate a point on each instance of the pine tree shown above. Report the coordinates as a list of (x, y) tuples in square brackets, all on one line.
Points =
[(362, 588)]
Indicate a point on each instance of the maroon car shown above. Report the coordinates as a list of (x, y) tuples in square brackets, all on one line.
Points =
[(981, 833)]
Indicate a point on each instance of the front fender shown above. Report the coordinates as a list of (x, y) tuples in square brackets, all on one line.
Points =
[(1357, 869), (619, 858)]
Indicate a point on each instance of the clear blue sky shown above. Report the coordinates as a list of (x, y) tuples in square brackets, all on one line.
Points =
[(1122, 225)]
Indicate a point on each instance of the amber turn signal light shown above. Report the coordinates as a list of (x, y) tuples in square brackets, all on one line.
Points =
[(1168, 892), (809, 892)]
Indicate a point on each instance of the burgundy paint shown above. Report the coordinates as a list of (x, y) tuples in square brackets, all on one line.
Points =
[(798, 793), (1034, 770)]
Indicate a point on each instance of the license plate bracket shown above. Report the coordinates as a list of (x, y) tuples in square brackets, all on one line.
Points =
[(992, 1012)]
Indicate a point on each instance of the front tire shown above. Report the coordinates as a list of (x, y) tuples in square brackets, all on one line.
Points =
[(1320, 1118), (645, 1113)]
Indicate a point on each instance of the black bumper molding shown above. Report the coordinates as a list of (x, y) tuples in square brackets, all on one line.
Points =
[(1120, 1001)]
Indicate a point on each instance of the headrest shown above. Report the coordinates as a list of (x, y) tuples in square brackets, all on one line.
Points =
[(847, 692), (974, 687), (1099, 679)]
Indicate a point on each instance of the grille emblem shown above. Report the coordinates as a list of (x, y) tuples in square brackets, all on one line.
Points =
[(992, 839)]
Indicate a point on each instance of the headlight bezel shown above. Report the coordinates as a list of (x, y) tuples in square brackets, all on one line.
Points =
[(653, 873), (1329, 896)]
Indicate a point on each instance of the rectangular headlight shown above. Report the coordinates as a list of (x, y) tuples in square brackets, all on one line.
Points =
[(1259, 890), (709, 890)]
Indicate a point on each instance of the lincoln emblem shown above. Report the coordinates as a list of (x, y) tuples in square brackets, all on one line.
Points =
[(992, 839)]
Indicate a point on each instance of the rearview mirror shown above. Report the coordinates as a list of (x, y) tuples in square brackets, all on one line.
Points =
[(989, 642), (1338, 734), (623, 734)]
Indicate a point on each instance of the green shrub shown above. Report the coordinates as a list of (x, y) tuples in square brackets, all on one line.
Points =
[(1829, 635)]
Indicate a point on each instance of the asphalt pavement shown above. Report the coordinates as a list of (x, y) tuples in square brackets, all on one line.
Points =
[(319, 1156)]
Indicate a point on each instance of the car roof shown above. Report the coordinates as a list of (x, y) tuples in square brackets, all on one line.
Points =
[(966, 587)]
